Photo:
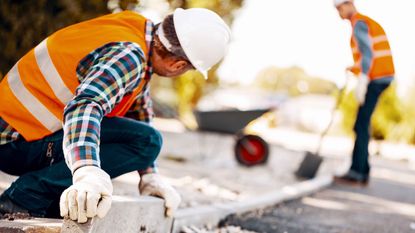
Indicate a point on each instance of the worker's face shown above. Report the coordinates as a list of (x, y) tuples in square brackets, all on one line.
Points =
[(346, 10)]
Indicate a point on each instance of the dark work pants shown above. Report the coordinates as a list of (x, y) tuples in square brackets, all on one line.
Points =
[(360, 160), (126, 145)]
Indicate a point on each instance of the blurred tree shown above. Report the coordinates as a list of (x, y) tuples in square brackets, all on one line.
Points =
[(224, 8), (25, 23), (348, 108), (392, 119), (292, 81), (387, 115), (410, 100)]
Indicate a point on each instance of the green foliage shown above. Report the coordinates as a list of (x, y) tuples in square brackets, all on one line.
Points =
[(292, 81), (23, 24), (189, 89), (392, 119), (348, 107), (224, 8)]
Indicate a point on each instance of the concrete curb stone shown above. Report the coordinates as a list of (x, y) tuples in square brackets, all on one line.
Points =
[(127, 215), (211, 215)]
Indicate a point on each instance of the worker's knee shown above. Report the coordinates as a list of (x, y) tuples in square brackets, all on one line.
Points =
[(154, 143)]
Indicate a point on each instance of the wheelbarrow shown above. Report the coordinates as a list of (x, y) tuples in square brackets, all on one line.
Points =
[(249, 149)]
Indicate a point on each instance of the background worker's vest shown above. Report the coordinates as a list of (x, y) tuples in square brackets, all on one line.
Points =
[(382, 62), (35, 91)]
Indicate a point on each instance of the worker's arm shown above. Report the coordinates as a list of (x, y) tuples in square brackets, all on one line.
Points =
[(105, 75), (362, 37)]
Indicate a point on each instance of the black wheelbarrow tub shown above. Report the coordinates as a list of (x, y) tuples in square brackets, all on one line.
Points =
[(229, 121)]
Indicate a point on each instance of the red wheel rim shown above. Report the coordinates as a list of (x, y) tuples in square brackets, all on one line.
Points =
[(252, 151)]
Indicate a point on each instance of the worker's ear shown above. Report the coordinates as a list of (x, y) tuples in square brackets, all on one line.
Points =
[(179, 65)]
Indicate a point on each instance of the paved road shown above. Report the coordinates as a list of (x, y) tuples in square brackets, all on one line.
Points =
[(387, 205)]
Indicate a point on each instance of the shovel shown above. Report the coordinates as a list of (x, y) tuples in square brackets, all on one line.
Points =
[(312, 161)]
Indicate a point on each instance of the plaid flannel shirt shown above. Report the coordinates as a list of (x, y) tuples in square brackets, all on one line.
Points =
[(105, 75)]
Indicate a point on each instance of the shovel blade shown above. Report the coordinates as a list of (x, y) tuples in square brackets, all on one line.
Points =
[(309, 166)]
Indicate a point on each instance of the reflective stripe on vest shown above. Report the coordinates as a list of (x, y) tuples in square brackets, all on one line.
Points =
[(378, 39), (382, 53), (50, 73), (36, 108)]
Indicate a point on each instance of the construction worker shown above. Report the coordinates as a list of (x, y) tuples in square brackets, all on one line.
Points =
[(375, 71), (76, 110)]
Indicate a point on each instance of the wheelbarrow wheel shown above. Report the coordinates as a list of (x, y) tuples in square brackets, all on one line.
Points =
[(251, 150)]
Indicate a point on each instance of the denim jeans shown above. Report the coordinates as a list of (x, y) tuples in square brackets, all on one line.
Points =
[(360, 159), (126, 145)]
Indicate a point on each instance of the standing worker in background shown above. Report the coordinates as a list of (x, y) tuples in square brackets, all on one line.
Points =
[(375, 71), (72, 109)]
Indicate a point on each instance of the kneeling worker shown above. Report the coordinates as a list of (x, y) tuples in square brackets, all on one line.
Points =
[(76, 110)]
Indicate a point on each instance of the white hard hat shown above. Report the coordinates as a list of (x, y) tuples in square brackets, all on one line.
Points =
[(203, 36), (339, 2)]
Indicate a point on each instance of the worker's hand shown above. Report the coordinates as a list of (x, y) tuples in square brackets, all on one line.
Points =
[(152, 184), (89, 196), (353, 69), (361, 88)]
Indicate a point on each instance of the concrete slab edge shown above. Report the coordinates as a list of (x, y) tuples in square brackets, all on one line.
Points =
[(127, 215), (211, 215), (34, 225)]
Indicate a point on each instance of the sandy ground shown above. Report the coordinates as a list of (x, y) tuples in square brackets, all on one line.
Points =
[(214, 175), (203, 169)]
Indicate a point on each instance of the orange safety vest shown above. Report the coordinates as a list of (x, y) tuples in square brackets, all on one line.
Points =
[(382, 62), (36, 90)]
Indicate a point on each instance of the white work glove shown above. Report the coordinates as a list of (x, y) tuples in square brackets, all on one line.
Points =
[(153, 185), (361, 88), (89, 196)]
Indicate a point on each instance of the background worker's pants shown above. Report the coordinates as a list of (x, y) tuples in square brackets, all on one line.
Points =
[(360, 160), (126, 145)]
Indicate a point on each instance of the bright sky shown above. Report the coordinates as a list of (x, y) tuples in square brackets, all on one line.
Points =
[(310, 34)]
